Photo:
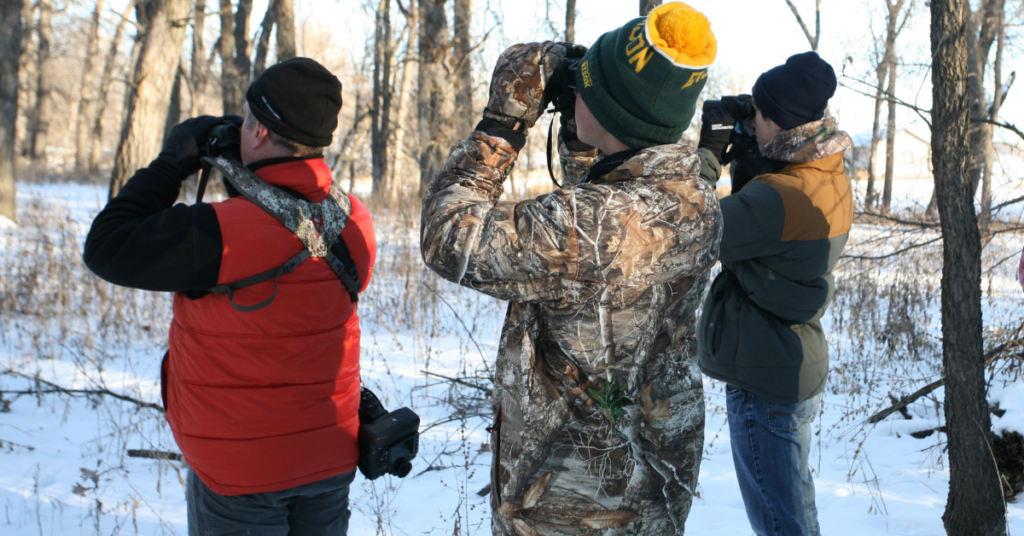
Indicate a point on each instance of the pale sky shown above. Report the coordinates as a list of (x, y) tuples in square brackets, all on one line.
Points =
[(753, 36)]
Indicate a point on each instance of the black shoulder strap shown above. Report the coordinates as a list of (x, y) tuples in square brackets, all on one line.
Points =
[(274, 273), (344, 267)]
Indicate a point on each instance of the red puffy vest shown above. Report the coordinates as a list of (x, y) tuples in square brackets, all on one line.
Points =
[(269, 400)]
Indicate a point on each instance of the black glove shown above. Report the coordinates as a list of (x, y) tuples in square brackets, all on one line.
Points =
[(182, 148), (716, 127)]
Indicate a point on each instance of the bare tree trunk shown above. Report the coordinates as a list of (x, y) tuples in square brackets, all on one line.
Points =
[(380, 121), (399, 104), (993, 114), (893, 27), (462, 47), (174, 106), (227, 60), (880, 72), (200, 72), (890, 136), (263, 44), (153, 77), (44, 85), (646, 6), (570, 20), (243, 65), (107, 77), (27, 78), (10, 52), (87, 105), (434, 99), (285, 15), (975, 504), (982, 28)]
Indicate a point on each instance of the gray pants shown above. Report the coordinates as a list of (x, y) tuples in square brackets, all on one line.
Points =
[(315, 509)]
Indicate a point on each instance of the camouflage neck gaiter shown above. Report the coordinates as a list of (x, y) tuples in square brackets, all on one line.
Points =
[(808, 142)]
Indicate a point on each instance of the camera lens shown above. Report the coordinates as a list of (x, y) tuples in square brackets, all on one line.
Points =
[(402, 468)]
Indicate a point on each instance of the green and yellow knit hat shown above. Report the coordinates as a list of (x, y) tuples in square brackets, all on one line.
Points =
[(641, 81)]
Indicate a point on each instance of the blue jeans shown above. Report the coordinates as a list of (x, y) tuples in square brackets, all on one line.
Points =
[(770, 446), (319, 508)]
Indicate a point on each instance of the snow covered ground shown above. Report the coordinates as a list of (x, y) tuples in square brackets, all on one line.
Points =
[(64, 467)]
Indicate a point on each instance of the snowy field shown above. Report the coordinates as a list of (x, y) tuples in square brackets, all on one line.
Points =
[(64, 467)]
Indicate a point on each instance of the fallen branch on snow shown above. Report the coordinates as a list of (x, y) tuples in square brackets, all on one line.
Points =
[(53, 388), (156, 455), (905, 401)]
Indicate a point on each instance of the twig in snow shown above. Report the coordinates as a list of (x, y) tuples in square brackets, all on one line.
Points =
[(54, 388), (155, 455)]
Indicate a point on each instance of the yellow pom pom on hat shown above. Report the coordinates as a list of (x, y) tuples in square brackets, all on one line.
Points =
[(642, 80), (682, 34)]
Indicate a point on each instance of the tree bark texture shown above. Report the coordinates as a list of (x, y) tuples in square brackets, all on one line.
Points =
[(285, 15), (174, 106), (44, 84), (380, 120), (152, 81), (881, 71), (435, 98), (993, 114), (11, 31), (89, 93), (893, 27), (975, 503), (226, 51), (890, 136), (570, 21), (983, 30), (402, 114), (462, 48), (242, 72), (200, 71), (646, 6), (263, 43), (106, 78), (27, 79)]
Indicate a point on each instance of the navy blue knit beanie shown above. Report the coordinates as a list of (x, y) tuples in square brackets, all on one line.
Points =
[(797, 92)]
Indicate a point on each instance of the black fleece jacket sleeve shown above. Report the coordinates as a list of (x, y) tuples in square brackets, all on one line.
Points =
[(141, 239)]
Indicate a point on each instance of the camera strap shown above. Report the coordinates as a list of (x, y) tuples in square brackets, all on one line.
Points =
[(317, 225), (551, 169), (204, 178)]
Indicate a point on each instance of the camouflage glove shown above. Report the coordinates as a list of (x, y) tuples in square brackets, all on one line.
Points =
[(518, 93)]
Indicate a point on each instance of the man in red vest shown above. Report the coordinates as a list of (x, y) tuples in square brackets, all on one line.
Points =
[(263, 404)]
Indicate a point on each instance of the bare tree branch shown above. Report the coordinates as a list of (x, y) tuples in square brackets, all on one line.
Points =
[(813, 40), (1008, 126)]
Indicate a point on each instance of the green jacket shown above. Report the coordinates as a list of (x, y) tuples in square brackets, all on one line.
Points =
[(784, 231)]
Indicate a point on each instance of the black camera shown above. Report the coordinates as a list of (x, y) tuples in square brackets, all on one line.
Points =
[(225, 137), (562, 87), (742, 141), (388, 441)]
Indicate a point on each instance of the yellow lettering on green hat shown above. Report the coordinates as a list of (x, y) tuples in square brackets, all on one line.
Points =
[(696, 77)]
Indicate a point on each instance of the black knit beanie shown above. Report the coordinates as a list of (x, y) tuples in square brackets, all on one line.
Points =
[(797, 92), (298, 99)]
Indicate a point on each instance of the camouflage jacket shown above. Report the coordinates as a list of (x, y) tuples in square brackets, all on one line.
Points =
[(599, 406)]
